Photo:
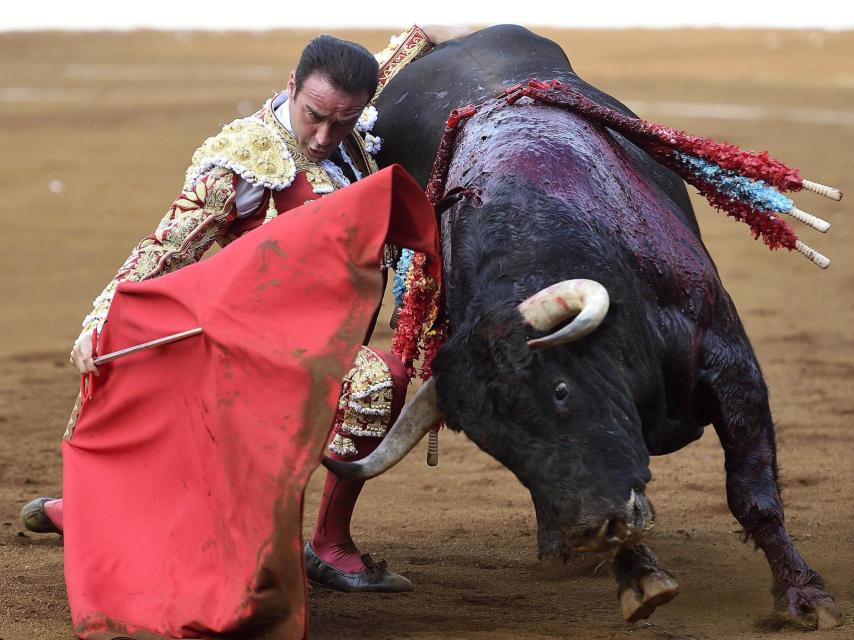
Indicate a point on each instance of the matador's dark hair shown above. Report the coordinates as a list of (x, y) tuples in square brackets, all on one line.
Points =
[(348, 66)]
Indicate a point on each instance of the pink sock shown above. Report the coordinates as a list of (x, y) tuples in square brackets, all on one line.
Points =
[(53, 511), (331, 540)]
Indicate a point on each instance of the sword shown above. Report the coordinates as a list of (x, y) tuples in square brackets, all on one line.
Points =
[(121, 353)]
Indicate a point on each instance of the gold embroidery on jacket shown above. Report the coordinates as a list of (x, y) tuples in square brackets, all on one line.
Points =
[(249, 147), (364, 406)]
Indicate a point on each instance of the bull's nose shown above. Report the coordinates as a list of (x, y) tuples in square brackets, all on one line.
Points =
[(616, 532), (627, 526)]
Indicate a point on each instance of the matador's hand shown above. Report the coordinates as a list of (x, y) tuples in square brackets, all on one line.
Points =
[(81, 355)]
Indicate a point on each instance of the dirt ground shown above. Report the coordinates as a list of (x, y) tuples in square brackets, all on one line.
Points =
[(96, 132)]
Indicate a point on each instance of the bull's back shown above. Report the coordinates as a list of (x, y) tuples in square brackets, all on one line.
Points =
[(414, 107)]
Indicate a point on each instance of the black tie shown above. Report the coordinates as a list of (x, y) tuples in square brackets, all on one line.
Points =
[(342, 164)]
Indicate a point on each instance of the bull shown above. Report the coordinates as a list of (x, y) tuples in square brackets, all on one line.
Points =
[(589, 326)]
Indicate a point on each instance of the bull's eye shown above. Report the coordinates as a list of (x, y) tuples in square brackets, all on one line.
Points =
[(561, 391)]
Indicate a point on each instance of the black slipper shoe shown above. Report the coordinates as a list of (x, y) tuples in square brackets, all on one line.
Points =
[(34, 518), (375, 578)]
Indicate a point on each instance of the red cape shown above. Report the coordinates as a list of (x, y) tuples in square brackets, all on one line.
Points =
[(184, 476)]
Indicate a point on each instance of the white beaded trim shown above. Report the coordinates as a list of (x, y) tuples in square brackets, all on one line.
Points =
[(368, 411), (364, 393), (365, 433), (242, 170)]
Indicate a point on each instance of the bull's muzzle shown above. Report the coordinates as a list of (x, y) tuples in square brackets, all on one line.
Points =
[(626, 527), (587, 300), (416, 419)]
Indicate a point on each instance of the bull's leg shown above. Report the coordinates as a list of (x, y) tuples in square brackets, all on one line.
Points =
[(742, 419), (642, 584)]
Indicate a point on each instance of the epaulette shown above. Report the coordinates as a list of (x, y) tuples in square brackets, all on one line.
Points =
[(249, 147)]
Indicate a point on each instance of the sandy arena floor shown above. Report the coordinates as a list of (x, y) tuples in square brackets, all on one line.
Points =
[(97, 130)]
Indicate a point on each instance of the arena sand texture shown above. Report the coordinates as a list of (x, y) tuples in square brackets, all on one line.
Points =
[(97, 130)]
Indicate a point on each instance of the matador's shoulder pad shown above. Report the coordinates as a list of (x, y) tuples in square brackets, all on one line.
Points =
[(250, 147)]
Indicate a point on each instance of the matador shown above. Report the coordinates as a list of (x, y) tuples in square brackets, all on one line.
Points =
[(307, 141)]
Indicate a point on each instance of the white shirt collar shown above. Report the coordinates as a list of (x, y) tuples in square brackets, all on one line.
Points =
[(283, 114)]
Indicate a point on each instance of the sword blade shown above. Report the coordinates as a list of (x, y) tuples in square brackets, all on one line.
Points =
[(108, 357)]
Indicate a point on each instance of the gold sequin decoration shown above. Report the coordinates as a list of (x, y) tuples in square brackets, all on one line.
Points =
[(343, 446), (364, 406), (249, 148), (271, 210)]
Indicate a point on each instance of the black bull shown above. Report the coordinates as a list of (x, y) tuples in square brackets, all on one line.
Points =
[(553, 197)]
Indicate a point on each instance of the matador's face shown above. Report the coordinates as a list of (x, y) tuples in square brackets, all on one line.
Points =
[(322, 115)]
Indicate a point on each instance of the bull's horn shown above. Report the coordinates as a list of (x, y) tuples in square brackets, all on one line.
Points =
[(416, 419), (558, 303)]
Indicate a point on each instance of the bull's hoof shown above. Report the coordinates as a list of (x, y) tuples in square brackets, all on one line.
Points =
[(813, 613), (632, 606), (827, 616), (809, 605), (639, 600)]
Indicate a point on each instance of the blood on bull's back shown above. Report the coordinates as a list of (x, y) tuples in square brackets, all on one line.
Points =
[(560, 154)]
